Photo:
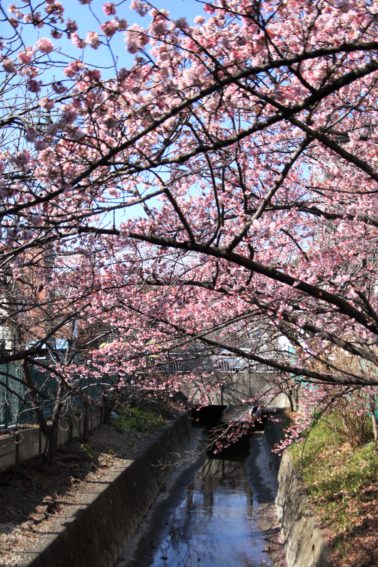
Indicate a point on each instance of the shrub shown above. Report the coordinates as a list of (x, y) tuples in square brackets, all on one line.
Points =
[(349, 420)]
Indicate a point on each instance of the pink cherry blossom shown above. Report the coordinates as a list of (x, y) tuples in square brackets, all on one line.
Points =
[(26, 56), (45, 45), (33, 86), (110, 27), (22, 158), (140, 7), (8, 65), (109, 9), (73, 68), (77, 41), (92, 39)]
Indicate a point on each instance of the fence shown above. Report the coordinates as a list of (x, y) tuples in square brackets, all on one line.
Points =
[(12, 395), (15, 405)]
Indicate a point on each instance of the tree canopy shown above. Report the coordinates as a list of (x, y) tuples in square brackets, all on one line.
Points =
[(167, 182)]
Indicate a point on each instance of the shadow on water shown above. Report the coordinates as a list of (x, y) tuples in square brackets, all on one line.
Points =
[(210, 517)]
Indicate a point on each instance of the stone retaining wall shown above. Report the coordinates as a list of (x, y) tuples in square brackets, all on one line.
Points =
[(96, 530)]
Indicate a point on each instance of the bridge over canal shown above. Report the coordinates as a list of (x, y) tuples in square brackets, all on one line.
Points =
[(232, 388)]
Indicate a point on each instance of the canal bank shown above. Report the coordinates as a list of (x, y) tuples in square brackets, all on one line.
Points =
[(301, 535), (96, 531)]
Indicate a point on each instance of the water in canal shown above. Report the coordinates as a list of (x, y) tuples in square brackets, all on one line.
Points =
[(213, 517)]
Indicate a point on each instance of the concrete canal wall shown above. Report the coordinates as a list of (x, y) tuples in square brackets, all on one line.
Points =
[(28, 443), (97, 529), (304, 544)]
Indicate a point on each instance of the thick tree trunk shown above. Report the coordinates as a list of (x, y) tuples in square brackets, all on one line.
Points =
[(108, 405), (291, 400), (52, 443), (53, 434), (375, 431), (36, 402), (86, 420), (49, 430)]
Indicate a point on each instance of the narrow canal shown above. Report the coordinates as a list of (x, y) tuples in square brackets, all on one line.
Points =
[(217, 513)]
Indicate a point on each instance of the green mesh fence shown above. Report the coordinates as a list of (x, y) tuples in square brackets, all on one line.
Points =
[(15, 405), (12, 394)]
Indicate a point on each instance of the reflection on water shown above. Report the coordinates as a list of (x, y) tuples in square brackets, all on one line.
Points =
[(213, 525)]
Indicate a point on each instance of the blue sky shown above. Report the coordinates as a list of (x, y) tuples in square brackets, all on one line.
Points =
[(177, 8), (89, 17)]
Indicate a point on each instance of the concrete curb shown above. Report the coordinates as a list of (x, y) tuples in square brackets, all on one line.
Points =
[(95, 531)]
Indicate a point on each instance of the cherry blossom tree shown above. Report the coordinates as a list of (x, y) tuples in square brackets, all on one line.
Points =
[(224, 170)]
